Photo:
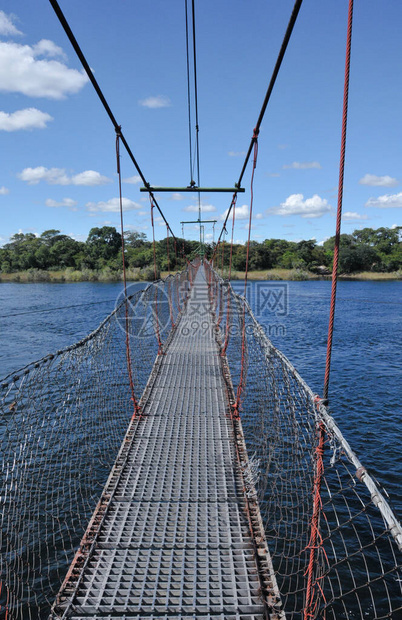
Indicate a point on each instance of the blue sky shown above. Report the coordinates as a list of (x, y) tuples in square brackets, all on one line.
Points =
[(58, 156)]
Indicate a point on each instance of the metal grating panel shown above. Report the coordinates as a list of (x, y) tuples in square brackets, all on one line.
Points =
[(175, 539)]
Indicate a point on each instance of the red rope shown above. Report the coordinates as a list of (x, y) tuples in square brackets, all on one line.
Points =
[(160, 348), (340, 199), (223, 256), (315, 542), (315, 536), (137, 410), (240, 387), (234, 200), (167, 244), (219, 289), (169, 281), (225, 346)]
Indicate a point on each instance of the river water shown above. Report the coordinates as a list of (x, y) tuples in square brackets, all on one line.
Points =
[(365, 399)]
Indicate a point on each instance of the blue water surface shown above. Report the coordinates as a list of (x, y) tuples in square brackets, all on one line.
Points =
[(365, 394)]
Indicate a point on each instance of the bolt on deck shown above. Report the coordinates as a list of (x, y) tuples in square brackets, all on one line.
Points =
[(174, 534)]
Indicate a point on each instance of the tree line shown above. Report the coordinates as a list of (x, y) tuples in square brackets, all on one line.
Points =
[(364, 250)]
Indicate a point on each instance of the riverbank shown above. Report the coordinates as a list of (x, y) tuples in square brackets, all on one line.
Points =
[(300, 275), (146, 274)]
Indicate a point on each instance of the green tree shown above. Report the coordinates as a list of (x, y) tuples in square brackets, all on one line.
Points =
[(134, 239), (103, 244), (357, 258), (64, 251)]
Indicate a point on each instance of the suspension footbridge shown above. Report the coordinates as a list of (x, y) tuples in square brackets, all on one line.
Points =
[(210, 510), (174, 464), (174, 532)]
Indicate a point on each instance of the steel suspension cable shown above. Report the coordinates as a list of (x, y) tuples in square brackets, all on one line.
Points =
[(282, 51), (101, 96), (340, 200), (189, 97), (197, 128)]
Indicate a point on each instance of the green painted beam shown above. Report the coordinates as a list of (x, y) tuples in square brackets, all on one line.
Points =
[(193, 189), (199, 222)]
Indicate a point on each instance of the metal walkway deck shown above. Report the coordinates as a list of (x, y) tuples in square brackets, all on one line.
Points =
[(173, 534)]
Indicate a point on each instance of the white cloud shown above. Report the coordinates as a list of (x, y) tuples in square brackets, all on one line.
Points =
[(58, 176), (137, 227), (177, 196), (302, 165), (160, 101), (6, 25), (4, 191), (78, 236), (159, 220), (89, 177), (386, 201), (236, 153), (374, 180), (204, 208), (24, 70), (296, 205), (54, 176), (273, 174), (45, 47), (66, 202), (30, 118), (259, 216), (352, 215), (134, 180), (241, 213), (112, 206)]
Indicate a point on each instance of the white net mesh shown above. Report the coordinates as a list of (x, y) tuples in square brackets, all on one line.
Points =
[(62, 420), (356, 569), (332, 535)]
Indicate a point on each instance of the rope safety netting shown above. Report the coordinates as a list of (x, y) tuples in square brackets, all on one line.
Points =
[(334, 541), (332, 537), (62, 421)]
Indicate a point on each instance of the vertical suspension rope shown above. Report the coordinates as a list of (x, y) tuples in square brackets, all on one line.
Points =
[(170, 300), (311, 605), (315, 536), (240, 387), (223, 254), (219, 289), (160, 348), (176, 279), (340, 199), (128, 348), (167, 248), (225, 345)]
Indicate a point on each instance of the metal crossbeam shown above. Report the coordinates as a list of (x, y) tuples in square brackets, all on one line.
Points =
[(191, 188)]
